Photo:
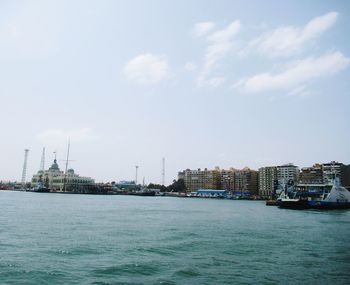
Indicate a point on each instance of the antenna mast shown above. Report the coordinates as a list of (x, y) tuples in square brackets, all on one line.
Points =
[(42, 162), (65, 173), (163, 171), (24, 171), (67, 157)]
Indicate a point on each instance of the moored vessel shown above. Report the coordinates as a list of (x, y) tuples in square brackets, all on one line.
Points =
[(337, 198), (294, 203), (40, 188)]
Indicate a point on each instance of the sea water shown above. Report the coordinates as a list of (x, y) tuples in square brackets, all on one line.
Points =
[(50, 238)]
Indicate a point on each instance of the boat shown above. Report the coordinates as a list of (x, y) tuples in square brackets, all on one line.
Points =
[(40, 188), (337, 198), (299, 203), (289, 199), (143, 193)]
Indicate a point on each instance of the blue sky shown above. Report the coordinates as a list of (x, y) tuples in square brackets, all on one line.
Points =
[(201, 83)]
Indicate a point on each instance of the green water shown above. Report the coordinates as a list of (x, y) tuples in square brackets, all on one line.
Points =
[(84, 239)]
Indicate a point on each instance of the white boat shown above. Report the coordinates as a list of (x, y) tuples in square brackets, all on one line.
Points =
[(337, 198)]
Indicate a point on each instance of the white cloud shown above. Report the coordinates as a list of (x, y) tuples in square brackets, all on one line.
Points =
[(147, 69), (213, 54), (226, 34), (289, 40), (59, 137), (300, 91), (296, 74), (220, 44), (203, 28), (216, 81), (190, 66)]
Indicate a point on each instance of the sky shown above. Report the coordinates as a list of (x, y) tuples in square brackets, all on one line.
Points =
[(200, 83)]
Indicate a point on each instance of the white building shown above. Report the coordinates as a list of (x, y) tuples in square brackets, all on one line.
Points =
[(287, 172), (56, 180)]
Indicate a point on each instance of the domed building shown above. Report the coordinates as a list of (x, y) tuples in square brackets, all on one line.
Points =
[(57, 180)]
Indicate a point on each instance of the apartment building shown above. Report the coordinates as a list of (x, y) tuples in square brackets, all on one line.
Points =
[(267, 181), (287, 172), (201, 179), (246, 180), (311, 175)]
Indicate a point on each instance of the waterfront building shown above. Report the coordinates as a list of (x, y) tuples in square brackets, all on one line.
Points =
[(311, 175), (227, 179), (57, 180), (267, 181), (181, 175), (243, 181), (126, 185), (287, 173), (7, 185), (201, 179), (211, 193), (332, 169), (246, 180)]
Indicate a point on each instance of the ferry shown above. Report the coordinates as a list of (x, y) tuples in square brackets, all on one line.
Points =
[(337, 198)]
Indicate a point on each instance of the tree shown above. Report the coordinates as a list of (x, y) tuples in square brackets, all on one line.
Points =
[(177, 186)]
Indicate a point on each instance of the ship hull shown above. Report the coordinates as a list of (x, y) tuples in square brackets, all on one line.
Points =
[(145, 193), (319, 205), (329, 205), (296, 205), (39, 190)]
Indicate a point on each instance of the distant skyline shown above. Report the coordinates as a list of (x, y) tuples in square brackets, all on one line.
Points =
[(200, 83)]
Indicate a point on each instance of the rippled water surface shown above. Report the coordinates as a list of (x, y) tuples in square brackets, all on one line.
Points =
[(84, 239)]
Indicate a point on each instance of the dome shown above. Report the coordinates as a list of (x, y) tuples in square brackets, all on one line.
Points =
[(70, 171), (54, 166)]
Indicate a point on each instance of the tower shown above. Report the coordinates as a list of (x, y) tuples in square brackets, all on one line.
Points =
[(24, 171), (42, 162), (136, 168)]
